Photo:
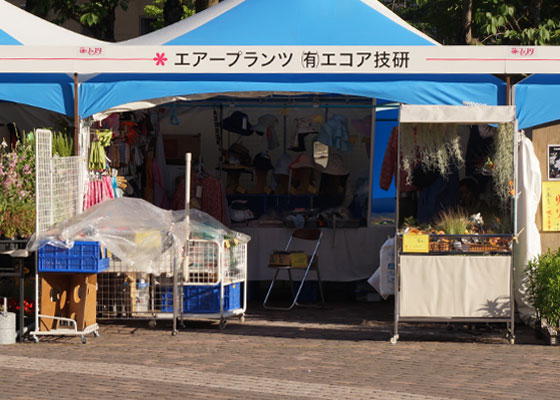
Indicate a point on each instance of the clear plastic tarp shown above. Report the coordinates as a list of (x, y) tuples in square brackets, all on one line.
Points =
[(135, 231)]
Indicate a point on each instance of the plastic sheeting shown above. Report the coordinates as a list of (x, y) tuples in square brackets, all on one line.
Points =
[(135, 231)]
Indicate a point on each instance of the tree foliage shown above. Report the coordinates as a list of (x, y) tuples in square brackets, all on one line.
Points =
[(156, 11), (532, 22), (98, 16)]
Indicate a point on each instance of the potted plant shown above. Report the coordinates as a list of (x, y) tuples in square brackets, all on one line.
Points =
[(543, 279)]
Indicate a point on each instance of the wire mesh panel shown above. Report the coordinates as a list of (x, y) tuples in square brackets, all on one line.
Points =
[(203, 263), (211, 261), (129, 291), (58, 182), (235, 263), (43, 154), (66, 186), (124, 295)]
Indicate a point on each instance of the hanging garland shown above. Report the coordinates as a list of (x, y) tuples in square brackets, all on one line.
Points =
[(436, 147)]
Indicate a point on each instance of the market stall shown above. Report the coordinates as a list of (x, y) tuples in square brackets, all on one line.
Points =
[(252, 78), (454, 251)]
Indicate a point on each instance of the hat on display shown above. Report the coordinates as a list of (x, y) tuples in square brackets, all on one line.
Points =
[(282, 166), (303, 161), (238, 122), (335, 166), (262, 162), (240, 152), (265, 124)]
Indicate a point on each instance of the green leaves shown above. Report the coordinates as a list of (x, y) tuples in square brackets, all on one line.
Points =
[(543, 278), (513, 22)]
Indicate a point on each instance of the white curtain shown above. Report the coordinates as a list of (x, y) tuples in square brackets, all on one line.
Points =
[(529, 246)]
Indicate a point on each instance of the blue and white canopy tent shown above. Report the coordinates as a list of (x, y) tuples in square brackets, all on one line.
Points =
[(357, 48), (536, 100), (259, 33), (27, 32), (333, 32)]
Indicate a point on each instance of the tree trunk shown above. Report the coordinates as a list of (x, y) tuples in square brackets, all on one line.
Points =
[(467, 22), (172, 11), (535, 16), (201, 5)]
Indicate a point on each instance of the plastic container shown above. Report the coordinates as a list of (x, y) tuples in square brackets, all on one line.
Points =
[(84, 257), (142, 296), (7, 326), (203, 299)]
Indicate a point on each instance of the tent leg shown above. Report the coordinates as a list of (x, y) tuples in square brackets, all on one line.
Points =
[(76, 117)]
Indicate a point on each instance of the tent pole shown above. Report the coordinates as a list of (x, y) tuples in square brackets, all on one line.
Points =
[(371, 160), (76, 117), (508, 90)]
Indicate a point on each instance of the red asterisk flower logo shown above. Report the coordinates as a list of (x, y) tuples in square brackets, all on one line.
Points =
[(160, 59)]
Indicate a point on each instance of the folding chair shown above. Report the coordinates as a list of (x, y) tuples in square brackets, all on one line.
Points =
[(305, 234)]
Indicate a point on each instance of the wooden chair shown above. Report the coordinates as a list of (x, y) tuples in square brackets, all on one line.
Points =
[(308, 235)]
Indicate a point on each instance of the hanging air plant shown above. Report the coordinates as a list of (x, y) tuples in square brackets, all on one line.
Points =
[(503, 165), (435, 147)]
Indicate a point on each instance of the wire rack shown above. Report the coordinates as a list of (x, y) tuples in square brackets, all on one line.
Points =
[(208, 284), (126, 291), (210, 262)]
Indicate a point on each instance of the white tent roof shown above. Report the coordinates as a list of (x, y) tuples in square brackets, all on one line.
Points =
[(18, 27)]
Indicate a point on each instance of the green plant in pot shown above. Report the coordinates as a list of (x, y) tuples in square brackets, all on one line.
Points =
[(543, 282)]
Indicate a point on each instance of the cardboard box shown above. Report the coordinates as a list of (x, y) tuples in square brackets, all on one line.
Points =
[(70, 296), (280, 258)]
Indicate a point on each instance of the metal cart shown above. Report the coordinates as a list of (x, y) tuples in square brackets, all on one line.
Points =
[(470, 280), (125, 293), (215, 284), (209, 283)]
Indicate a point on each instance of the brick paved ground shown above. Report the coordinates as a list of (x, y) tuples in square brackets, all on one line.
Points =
[(341, 352)]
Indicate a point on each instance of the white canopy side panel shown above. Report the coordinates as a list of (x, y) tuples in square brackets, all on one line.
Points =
[(456, 114)]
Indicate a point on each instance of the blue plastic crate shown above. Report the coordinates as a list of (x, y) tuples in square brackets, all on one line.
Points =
[(203, 299), (84, 257)]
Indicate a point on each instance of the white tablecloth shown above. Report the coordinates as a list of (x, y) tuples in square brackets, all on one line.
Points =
[(344, 254)]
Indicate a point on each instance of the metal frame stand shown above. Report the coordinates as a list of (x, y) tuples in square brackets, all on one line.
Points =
[(510, 319)]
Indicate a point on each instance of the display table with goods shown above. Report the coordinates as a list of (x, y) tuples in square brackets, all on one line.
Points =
[(454, 252)]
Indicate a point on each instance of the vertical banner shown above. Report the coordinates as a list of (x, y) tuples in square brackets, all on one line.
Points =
[(551, 206)]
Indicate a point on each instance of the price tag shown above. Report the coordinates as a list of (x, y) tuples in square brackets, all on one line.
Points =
[(413, 243)]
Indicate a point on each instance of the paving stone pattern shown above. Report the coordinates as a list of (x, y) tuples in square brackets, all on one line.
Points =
[(341, 352)]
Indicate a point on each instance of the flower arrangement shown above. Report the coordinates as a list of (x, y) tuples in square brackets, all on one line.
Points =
[(17, 188)]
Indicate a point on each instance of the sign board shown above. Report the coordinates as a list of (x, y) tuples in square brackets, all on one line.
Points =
[(117, 58), (414, 243), (551, 206)]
